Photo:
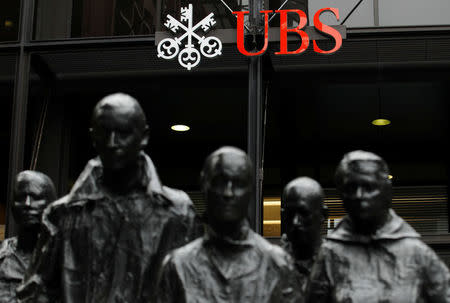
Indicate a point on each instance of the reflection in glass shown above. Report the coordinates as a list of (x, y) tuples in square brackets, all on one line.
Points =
[(9, 20), (63, 19), (309, 129)]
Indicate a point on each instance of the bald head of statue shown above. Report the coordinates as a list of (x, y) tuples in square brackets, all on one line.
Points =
[(303, 212), (226, 180), (119, 131)]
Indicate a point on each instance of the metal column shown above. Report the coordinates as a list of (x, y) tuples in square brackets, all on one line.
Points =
[(255, 109), (19, 108)]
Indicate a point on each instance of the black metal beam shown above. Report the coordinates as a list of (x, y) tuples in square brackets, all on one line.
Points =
[(19, 108), (255, 107), (254, 138), (7, 47)]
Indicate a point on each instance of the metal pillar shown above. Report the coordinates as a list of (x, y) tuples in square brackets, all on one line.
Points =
[(19, 108), (255, 109)]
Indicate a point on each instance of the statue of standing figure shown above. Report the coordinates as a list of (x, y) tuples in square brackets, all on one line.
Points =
[(230, 263), (302, 214), (374, 255), (105, 240), (33, 191)]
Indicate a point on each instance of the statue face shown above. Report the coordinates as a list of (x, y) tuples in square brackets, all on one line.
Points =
[(228, 189), (29, 201), (303, 215), (366, 198), (117, 138)]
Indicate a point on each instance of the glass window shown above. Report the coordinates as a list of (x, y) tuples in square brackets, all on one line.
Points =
[(370, 13), (63, 19), (9, 20), (313, 120), (414, 12), (363, 16), (215, 113), (7, 62), (293, 19)]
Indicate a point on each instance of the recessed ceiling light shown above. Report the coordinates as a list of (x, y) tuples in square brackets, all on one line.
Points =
[(8, 23), (390, 177), (180, 128), (381, 122)]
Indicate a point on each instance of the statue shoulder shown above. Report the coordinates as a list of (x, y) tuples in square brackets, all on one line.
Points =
[(281, 257), (185, 254), (422, 251), (331, 249), (55, 211), (56, 207), (180, 201)]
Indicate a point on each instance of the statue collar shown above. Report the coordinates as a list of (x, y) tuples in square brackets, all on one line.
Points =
[(245, 239), (395, 228), (87, 185)]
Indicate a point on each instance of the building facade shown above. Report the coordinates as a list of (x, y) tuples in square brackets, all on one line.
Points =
[(294, 114)]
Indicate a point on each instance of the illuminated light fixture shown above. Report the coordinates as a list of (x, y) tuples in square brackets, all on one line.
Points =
[(180, 128), (381, 122), (390, 177), (8, 23)]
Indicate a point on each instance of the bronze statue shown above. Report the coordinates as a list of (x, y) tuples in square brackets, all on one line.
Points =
[(105, 240), (302, 214), (231, 263), (374, 255), (33, 191)]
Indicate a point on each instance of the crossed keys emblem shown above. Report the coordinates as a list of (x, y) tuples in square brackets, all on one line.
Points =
[(189, 56)]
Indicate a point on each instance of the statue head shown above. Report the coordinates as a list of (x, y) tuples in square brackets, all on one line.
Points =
[(33, 191), (226, 181), (119, 131), (362, 179), (303, 211)]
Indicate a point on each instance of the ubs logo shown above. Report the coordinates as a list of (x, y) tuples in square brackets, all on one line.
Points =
[(189, 56), (191, 43)]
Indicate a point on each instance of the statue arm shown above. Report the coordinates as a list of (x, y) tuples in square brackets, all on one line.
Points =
[(319, 285), (41, 282), (437, 278)]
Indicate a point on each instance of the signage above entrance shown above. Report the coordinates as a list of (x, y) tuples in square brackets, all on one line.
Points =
[(284, 30), (211, 46)]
